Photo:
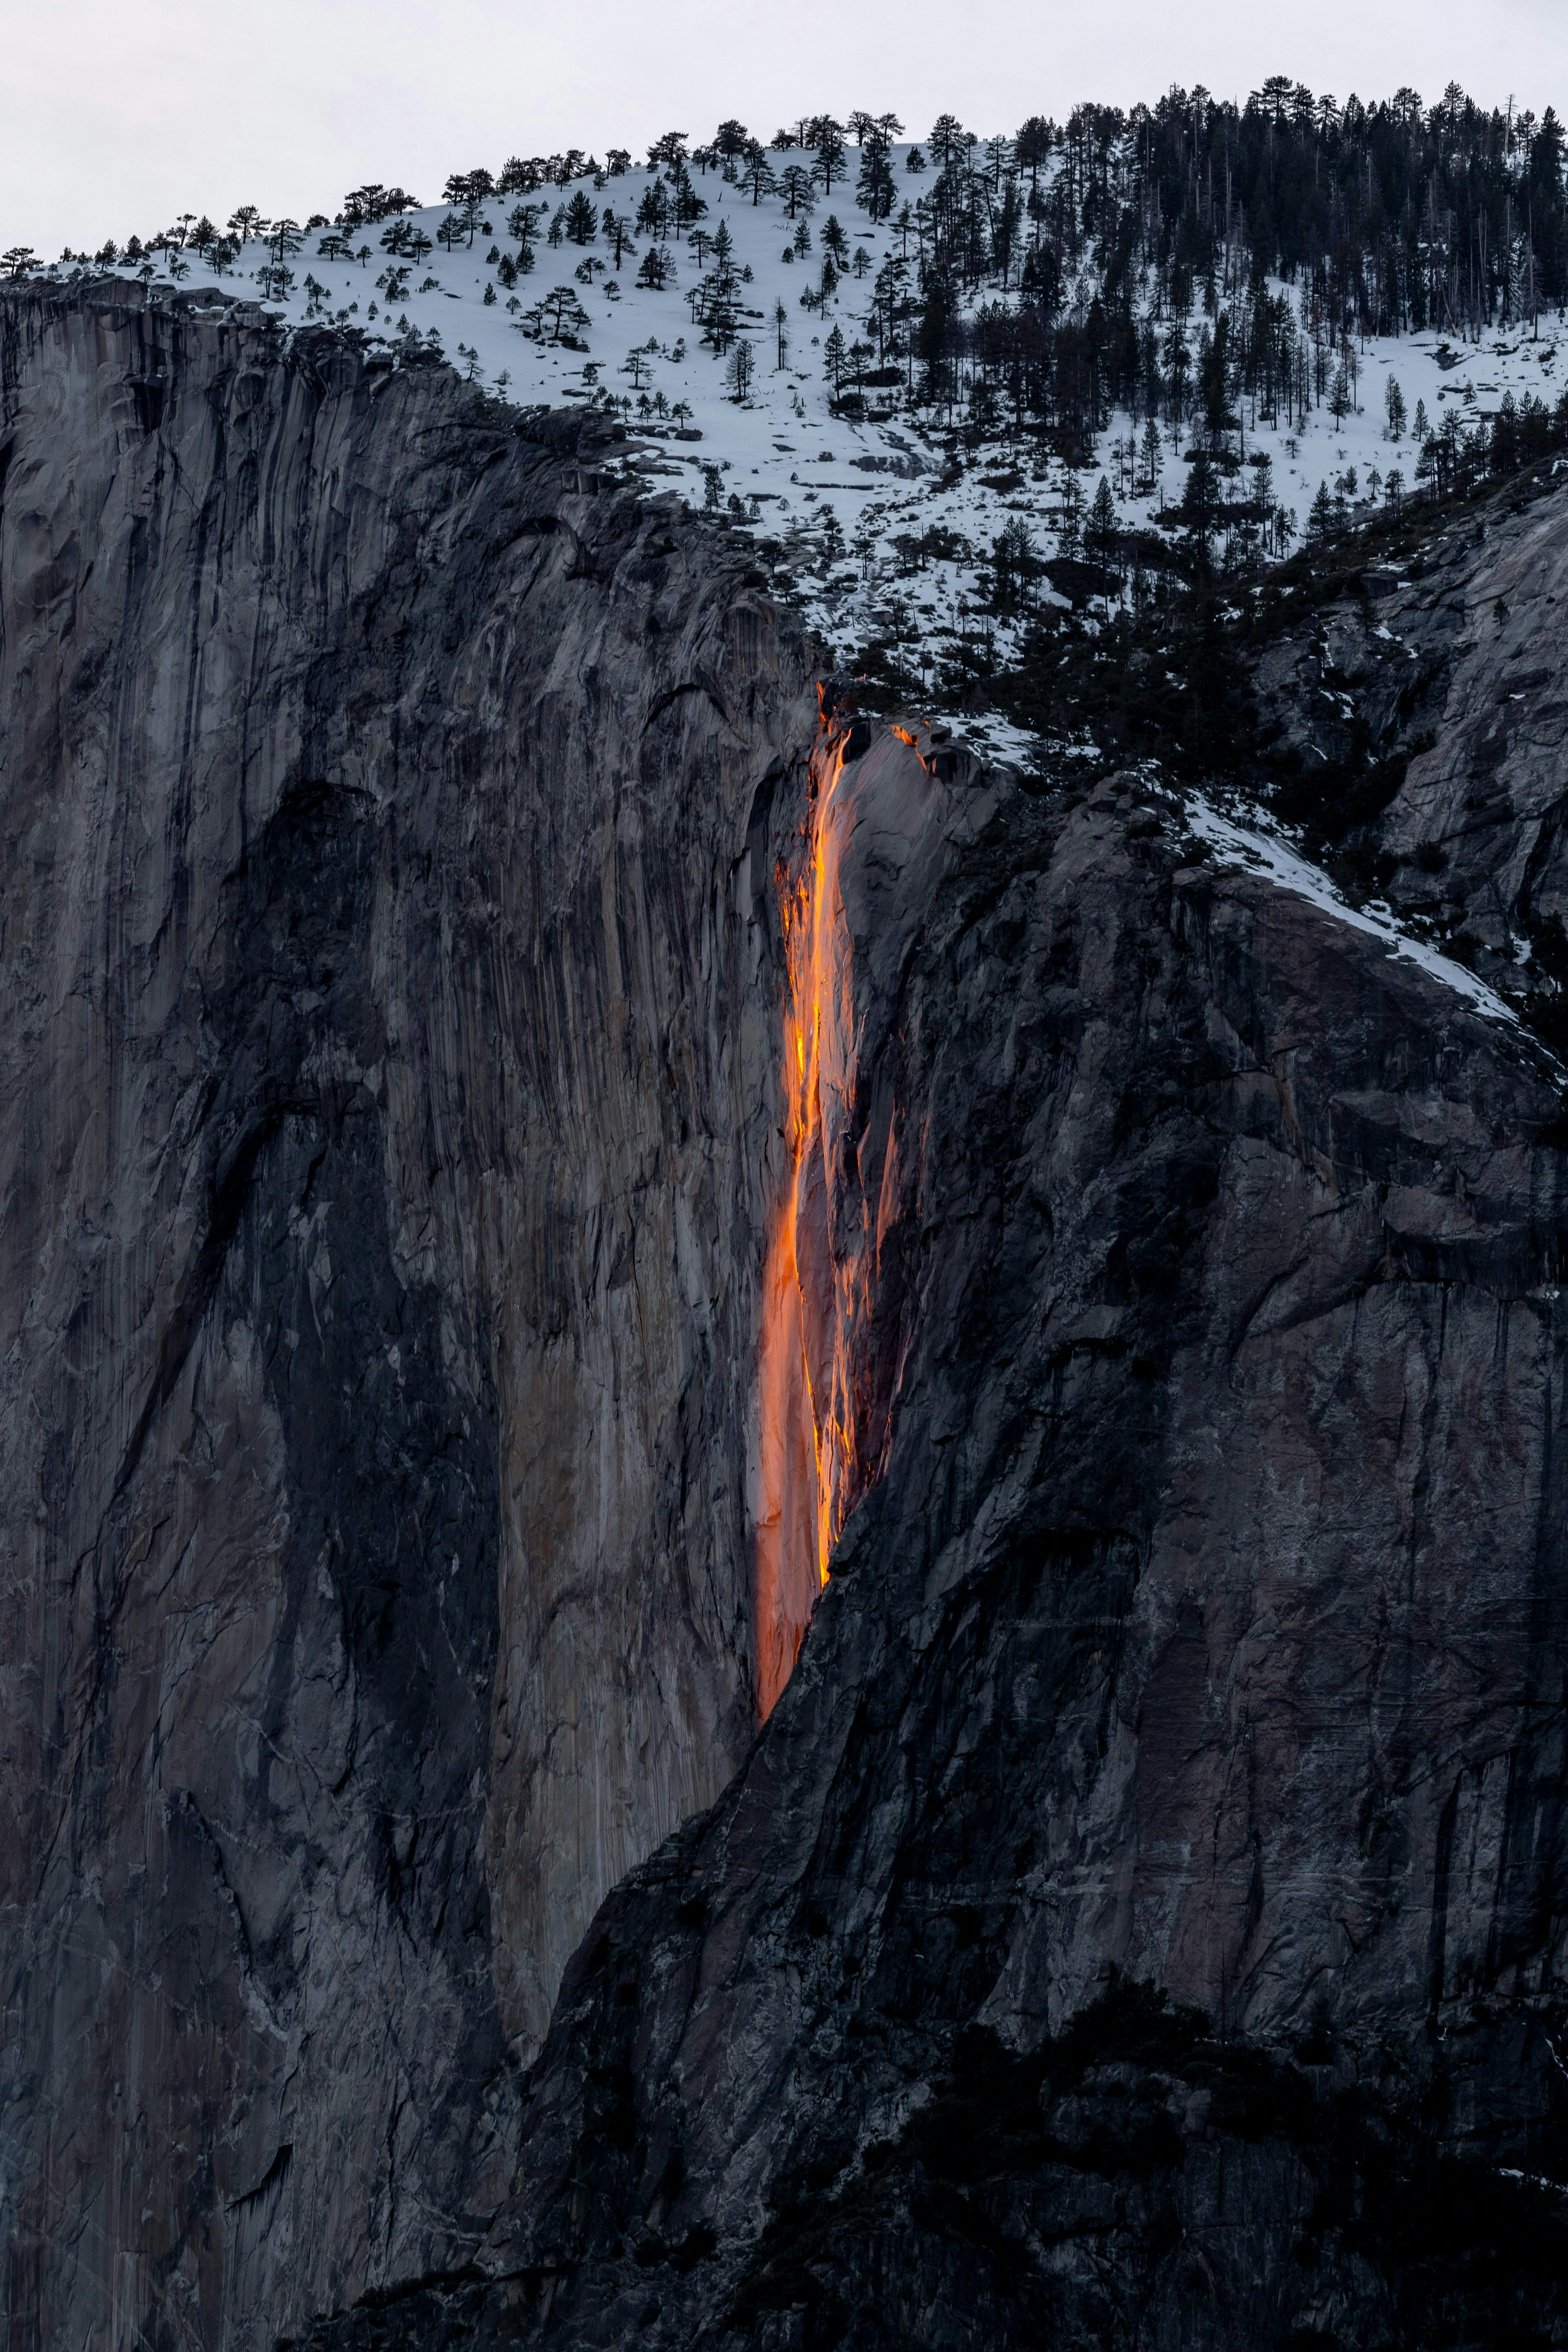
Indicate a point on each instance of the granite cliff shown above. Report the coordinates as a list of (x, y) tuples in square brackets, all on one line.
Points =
[(529, 1127)]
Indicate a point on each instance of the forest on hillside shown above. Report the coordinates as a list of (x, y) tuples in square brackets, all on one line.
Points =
[(1194, 271)]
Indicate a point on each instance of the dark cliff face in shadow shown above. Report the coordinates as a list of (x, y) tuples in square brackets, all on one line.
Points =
[(390, 1062), (1138, 1920)]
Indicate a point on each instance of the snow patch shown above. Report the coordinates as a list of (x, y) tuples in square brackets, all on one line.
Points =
[(1269, 854)]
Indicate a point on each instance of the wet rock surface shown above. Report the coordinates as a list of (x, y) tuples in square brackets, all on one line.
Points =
[(1139, 1920)]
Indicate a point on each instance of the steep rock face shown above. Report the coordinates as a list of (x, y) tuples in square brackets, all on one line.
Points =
[(390, 1073), (449, 1026), (1449, 688), (1150, 1888)]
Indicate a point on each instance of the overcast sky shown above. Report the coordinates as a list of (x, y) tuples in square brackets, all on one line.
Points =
[(118, 116)]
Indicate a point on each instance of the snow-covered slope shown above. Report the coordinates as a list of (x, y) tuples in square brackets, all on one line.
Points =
[(784, 461), (840, 502)]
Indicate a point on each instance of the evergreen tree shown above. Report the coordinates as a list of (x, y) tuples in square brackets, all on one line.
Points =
[(582, 223), (522, 223), (1069, 518), (1200, 509), (1099, 531), (875, 187), (655, 210), (1031, 148), (1393, 401), (797, 187), (618, 228), (466, 192), (826, 140), (758, 175)]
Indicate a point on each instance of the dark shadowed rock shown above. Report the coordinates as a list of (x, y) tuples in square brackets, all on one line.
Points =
[(1139, 1919), (389, 1045)]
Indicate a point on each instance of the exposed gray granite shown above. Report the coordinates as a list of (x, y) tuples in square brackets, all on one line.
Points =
[(1140, 1922)]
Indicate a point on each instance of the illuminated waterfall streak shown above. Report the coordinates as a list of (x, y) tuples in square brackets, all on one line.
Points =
[(806, 1417)]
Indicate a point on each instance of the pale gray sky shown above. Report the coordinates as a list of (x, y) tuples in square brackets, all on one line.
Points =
[(117, 117)]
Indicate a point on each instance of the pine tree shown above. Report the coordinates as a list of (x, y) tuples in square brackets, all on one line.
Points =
[(618, 228), (1032, 147), (1200, 507), (1393, 400), (582, 225), (1099, 531), (1069, 522), (834, 358), (654, 211), (875, 187), (738, 375), (947, 135), (466, 192), (796, 187), (827, 139), (758, 174)]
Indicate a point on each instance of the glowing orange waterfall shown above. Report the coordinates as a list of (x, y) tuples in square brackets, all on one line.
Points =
[(806, 1423)]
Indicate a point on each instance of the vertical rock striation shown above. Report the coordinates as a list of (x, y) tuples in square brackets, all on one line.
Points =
[(1142, 1919), (506, 1107), (390, 1077)]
